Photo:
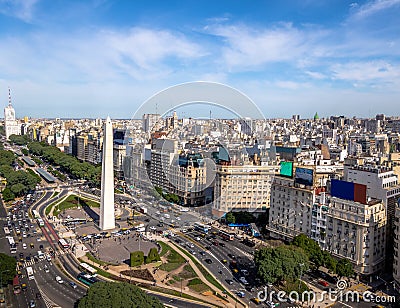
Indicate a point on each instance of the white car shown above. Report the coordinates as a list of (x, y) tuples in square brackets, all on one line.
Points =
[(153, 228), (24, 246), (48, 258), (59, 279)]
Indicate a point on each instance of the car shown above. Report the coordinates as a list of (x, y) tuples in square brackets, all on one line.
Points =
[(48, 258), (153, 228), (241, 294), (41, 246), (224, 261), (32, 245), (38, 295), (229, 281), (192, 252), (208, 261), (32, 304), (323, 283), (24, 246), (59, 279), (46, 269), (256, 301), (72, 284), (28, 258), (243, 280), (24, 287)]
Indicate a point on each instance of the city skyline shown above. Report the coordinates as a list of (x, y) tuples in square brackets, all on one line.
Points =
[(99, 58)]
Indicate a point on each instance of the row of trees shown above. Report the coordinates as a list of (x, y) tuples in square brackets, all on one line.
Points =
[(19, 182), (288, 262), (8, 267), (117, 295), (137, 257), (319, 257), (67, 163), (167, 196)]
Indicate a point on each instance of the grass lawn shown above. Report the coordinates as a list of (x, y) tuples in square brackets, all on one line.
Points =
[(73, 201), (210, 278), (174, 259), (197, 285)]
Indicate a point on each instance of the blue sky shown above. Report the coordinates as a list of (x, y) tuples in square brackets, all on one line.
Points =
[(98, 58)]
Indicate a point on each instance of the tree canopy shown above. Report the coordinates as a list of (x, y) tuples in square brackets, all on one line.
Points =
[(67, 163), (344, 268), (8, 267), (279, 264), (117, 295), (19, 139)]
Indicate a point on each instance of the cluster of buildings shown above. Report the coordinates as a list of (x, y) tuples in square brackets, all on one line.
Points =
[(333, 179)]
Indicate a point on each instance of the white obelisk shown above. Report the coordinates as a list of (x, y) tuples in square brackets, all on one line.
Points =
[(107, 214)]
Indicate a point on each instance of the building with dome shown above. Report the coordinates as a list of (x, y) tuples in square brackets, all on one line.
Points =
[(11, 125)]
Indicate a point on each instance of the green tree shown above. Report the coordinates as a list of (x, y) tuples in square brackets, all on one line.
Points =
[(137, 258), (6, 157), (344, 268), (8, 195), (158, 190), (19, 139), (153, 256), (117, 295), (8, 267), (230, 218), (311, 248), (285, 262), (25, 152), (244, 217)]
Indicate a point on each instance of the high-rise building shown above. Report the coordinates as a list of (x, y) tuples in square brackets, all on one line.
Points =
[(11, 125), (149, 120), (107, 214)]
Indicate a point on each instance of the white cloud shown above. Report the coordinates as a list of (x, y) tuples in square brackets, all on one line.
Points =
[(21, 9), (374, 7), (137, 54), (367, 71), (316, 75)]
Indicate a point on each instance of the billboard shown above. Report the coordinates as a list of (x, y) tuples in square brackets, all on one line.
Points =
[(349, 191), (304, 176), (286, 168), (342, 189)]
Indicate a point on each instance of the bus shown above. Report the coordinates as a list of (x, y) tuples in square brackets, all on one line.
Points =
[(74, 221), (40, 222), (88, 269), (6, 231), (63, 243), (13, 246), (35, 214), (16, 285), (201, 227), (226, 236), (87, 279)]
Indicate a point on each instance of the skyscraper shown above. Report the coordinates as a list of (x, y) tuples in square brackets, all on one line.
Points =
[(107, 214), (11, 126)]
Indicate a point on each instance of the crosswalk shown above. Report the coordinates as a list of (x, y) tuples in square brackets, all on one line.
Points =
[(33, 261)]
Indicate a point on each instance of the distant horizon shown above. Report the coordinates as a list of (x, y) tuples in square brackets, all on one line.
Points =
[(207, 119)]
